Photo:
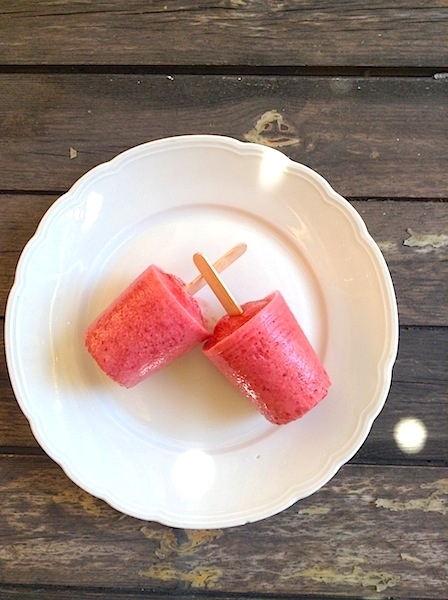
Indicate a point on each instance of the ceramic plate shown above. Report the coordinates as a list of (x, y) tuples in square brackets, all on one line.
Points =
[(184, 448)]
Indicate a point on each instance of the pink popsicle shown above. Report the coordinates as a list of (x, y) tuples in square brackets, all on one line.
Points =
[(152, 322), (266, 355)]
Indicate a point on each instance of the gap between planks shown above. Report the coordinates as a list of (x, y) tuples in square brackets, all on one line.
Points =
[(229, 70)]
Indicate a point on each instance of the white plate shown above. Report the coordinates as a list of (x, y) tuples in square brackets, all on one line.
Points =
[(184, 448)]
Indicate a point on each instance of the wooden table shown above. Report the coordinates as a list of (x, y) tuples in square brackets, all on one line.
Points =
[(362, 89)]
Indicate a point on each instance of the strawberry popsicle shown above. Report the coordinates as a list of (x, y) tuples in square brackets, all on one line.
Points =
[(152, 322), (266, 355), (155, 320)]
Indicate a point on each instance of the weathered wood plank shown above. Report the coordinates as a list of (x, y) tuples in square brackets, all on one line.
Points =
[(355, 537), (370, 137), (235, 32), (417, 403), (21, 215), (419, 273), (31, 592), (418, 391), (413, 237), (23, 592)]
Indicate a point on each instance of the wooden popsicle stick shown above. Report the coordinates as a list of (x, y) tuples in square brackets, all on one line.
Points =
[(222, 263), (217, 285)]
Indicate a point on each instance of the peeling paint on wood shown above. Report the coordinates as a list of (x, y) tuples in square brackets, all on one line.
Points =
[(314, 510), (436, 501), (425, 241), (380, 580), (410, 558), (202, 576), (350, 560), (387, 247), (169, 543), (271, 129), (91, 505)]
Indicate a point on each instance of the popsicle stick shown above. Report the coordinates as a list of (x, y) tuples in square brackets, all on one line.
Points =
[(222, 263), (217, 285)]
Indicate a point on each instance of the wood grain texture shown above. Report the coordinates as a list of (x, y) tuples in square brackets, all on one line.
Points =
[(418, 393), (24, 592), (419, 380), (236, 32), (359, 92), (419, 274), (356, 537), (369, 137), (43, 592), (20, 217)]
